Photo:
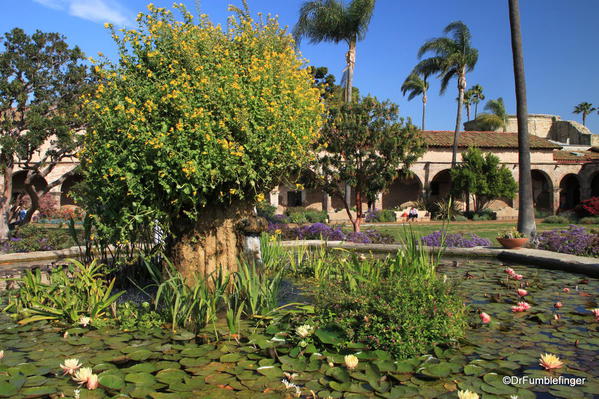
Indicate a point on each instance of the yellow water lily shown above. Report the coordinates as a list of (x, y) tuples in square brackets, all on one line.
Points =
[(467, 395), (351, 362)]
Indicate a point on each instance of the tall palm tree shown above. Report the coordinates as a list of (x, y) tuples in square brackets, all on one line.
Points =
[(584, 109), (477, 96), (468, 102), (453, 57), (416, 85), (526, 214), (334, 21), (497, 108)]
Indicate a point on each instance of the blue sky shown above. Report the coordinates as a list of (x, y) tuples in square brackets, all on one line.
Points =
[(560, 45)]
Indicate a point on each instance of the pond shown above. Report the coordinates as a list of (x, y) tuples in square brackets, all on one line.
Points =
[(158, 364)]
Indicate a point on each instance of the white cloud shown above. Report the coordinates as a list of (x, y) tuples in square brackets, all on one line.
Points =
[(93, 10)]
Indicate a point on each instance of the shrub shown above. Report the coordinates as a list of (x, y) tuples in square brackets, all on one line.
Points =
[(383, 215), (460, 218), (574, 240), (266, 210), (485, 214), (404, 315), (541, 213), (302, 215), (454, 240), (588, 207), (555, 219), (589, 220)]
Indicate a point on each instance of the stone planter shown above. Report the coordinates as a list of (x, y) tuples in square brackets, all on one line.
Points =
[(512, 243)]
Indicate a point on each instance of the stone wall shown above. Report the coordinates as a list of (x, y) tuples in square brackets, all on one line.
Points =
[(538, 124)]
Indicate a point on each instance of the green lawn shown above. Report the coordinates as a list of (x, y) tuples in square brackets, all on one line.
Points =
[(487, 229)]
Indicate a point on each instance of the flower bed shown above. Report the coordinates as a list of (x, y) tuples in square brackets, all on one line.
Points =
[(455, 240), (574, 240), (321, 231)]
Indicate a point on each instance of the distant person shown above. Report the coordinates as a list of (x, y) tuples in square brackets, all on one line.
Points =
[(413, 215)]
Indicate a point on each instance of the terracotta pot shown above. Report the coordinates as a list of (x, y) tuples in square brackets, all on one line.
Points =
[(513, 243)]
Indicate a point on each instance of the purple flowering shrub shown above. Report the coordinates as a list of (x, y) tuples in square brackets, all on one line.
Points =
[(317, 231), (574, 240), (455, 240)]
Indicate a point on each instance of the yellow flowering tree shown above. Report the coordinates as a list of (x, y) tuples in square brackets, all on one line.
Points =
[(191, 127)]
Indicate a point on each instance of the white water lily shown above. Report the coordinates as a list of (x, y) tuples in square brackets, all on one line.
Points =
[(1, 354), (84, 321), (467, 395), (514, 397), (351, 362), (82, 375), (289, 376), (70, 366), (76, 393), (304, 331)]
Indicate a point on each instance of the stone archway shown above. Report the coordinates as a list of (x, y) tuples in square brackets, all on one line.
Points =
[(66, 190), (569, 193), (18, 183), (403, 189), (595, 185), (440, 186), (542, 191)]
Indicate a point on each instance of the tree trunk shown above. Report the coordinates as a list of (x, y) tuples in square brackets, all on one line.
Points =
[(359, 212), (468, 112), (351, 64), (526, 221), (7, 171), (584, 119), (458, 122), (215, 241), (475, 109), (424, 99), (33, 196)]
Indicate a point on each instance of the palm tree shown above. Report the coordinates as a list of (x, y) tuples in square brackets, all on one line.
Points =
[(526, 215), (416, 85), (467, 102), (333, 21), (453, 57), (584, 109), (477, 96), (497, 109)]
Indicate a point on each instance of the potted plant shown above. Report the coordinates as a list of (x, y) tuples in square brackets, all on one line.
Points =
[(512, 239)]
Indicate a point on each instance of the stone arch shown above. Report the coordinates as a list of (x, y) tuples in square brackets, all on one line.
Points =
[(403, 189), (595, 185), (440, 185), (66, 189), (18, 183), (569, 192), (542, 191)]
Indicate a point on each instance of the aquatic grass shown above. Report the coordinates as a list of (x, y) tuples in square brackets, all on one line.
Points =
[(254, 289)]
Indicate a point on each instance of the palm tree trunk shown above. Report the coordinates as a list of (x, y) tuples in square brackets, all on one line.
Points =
[(475, 109), (424, 99), (526, 221), (351, 64), (458, 121), (468, 112), (584, 119)]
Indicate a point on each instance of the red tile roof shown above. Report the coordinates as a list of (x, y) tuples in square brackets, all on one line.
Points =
[(576, 156), (444, 138)]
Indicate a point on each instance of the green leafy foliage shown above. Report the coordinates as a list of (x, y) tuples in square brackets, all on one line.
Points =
[(482, 176), (556, 219), (302, 215), (364, 145), (41, 82), (30, 237), (70, 293), (194, 114)]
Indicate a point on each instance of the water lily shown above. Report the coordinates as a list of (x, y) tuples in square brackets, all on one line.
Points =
[(92, 381), (521, 292), (524, 305), (556, 317), (550, 362), (351, 362), (82, 375), (485, 318), (518, 309), (70, 366), (84, 321), (595, 312), (509, 271), (517, 276), (304, 331), (289, 376), (1, 355), (566, 290), (558, 305), (289, 385), (467, 395)]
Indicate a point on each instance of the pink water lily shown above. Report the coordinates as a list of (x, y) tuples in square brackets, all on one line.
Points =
[(566, 290), (517, 276), (509, 271), (520, 307), (521, 292), (558, 305), (485, 318), (92, 381)]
